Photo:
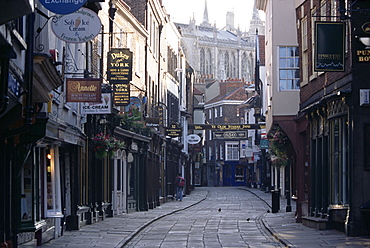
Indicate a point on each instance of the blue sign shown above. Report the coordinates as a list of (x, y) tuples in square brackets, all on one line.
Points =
[(63, 6), (264, 143)]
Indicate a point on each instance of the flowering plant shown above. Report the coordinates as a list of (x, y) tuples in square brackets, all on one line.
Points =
[(281, 148), (104, 145)]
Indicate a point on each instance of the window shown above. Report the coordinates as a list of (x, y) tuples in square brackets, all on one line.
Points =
[(232, 151), (215, 112), (304, 51), (221, 152), (288, 68), (220, 111), (210, 114), (210, 153)]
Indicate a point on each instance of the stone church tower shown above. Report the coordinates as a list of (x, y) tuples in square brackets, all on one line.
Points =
[(220, 54)]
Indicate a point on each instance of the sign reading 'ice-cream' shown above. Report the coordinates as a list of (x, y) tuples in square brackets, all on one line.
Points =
[(78, 27)]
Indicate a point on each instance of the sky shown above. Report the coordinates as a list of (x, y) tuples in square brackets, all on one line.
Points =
[(182, 10)]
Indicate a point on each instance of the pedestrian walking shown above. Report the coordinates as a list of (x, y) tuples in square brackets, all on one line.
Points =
[(180, 182)]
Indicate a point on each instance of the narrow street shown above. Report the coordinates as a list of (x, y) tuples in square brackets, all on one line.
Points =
[(228, 217)]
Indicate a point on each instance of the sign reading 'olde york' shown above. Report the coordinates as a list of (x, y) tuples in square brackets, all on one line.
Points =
[(78, 27), (119, 65)]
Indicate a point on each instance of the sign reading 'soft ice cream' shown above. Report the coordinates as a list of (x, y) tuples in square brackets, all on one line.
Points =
[(78, 27)]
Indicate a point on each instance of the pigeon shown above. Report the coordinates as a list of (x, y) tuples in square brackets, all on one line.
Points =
[(219, 210), (248, 219), (268, 210)]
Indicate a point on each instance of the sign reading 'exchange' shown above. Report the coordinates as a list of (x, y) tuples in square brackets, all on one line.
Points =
[(63, 6)]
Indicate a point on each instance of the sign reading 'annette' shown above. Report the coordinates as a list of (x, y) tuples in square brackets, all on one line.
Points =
[(119, 65), (63, 6), (83, 90)]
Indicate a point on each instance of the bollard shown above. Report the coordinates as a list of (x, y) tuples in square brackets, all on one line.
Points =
[(275, 201)]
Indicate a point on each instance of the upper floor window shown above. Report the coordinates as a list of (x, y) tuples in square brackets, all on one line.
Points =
[(288, 68), (210, 114), (216, 114), (220, 111), (232, 151)]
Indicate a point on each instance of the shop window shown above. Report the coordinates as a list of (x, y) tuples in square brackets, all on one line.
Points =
[(239, 173), (52, 183), (26, 191)]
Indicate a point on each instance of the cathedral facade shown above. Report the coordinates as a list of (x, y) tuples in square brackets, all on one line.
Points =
[(221, 54)]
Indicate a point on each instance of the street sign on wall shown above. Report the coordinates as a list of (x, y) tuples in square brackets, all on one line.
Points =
[(230, 135)]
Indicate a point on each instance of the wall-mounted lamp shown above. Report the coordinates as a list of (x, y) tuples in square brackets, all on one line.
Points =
[(365, 41), (103, 120), (48, 156)]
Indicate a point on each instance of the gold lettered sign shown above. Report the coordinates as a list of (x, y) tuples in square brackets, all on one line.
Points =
[(173, 130), (159, 114), (121, 94), (225, 127), (119, 65), (83, 90)]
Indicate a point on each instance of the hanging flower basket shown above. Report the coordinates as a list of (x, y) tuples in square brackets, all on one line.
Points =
[(281, 148), (105, 146)]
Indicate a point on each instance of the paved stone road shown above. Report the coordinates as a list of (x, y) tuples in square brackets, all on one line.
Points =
[(228, 217)]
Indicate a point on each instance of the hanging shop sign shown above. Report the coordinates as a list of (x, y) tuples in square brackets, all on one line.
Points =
[(83, 90), (173, 130), (62, 6), (98, 108), (78, 27), (230, 135), (159, 114), (329, 40), (193, 139), (121, 93), (119, 65), (133, 110)]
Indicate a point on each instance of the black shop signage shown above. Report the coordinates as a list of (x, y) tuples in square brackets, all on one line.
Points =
[(329, 40), (174, 130), (121, 93), (119, 65)]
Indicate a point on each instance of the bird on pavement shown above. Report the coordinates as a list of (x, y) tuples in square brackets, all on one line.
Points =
[(219, 210), (268, 210), (248, 219)]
